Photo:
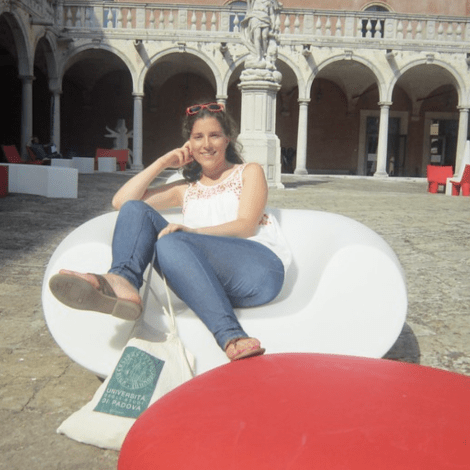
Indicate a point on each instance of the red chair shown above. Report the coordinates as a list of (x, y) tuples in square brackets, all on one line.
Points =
[(464, 183), (12, 155), (437, 175), (122, 156)]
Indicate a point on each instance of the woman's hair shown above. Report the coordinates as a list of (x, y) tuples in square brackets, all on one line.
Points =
[(193, 171)]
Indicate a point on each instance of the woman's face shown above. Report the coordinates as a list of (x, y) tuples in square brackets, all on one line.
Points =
[(208, 142)]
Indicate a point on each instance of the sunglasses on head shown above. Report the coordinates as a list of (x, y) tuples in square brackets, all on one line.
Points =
[(213, 107)]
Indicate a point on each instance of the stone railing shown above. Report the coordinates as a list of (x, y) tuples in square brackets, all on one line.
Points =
[(305, 26), (375, 26), (158, 18)]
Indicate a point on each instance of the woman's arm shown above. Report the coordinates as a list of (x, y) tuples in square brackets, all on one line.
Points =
[(253, 201), (162, 197)]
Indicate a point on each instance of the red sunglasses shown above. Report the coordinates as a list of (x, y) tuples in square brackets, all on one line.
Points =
[(213, 107)]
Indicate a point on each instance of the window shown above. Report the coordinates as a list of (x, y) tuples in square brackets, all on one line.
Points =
[(373, 28), (236, 18), (376, 8)]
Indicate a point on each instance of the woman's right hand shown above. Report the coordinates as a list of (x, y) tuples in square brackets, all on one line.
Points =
[(178, 157)]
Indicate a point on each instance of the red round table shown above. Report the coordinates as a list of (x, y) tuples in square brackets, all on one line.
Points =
[(307, 411)]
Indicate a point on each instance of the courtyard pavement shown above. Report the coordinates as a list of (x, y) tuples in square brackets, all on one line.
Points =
[(40, 386)]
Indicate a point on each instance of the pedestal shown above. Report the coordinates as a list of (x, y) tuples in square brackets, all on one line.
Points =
[(258, 126)]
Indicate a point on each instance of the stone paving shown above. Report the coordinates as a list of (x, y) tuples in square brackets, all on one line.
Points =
[(40, 386)]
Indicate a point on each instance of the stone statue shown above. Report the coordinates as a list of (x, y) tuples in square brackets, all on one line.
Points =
[(121, 135), (260, 30)]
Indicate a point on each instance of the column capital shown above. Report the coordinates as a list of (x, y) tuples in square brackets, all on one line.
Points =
[(221, 98), (304, 101), (27, 78), (385, 104), (138, 96), (55, 86), (465, 108), (56, 90)]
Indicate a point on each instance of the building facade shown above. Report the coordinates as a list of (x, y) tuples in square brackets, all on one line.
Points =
[(367, 88)]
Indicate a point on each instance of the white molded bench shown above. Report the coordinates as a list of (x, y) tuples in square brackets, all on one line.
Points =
[(345, 293), (42, 180)]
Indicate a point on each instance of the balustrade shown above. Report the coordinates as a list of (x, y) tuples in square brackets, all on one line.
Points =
[(301, 25)]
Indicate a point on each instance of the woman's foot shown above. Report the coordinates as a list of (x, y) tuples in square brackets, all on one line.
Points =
[(241, 348), (122, 287), (109, 294)]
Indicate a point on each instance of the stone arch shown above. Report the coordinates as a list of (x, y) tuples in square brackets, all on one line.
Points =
[(51, 55), (45, 81), (301, 83), (16, 41), (287, 109), (173, 77), (379, 78), (236, 64), (217, 76), (22, 45), (74, 57), (456, 79), (435, 97), (97, 93), (334, 123)]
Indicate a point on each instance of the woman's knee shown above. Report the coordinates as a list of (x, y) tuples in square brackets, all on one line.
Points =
[(262, 286), (273, 285), (171, 249), (133, 207), (131, 212)]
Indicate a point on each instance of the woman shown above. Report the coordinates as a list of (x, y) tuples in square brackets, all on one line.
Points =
[(228, 252)]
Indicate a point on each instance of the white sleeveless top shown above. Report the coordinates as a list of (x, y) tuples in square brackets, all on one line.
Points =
[(205, 206)]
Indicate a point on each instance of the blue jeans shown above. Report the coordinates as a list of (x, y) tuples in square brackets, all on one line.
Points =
[(212, 275)]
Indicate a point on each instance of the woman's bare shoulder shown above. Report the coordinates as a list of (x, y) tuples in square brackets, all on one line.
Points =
[(253, 170)]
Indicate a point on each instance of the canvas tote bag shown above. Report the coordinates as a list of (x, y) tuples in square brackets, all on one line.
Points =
[(145, 372)]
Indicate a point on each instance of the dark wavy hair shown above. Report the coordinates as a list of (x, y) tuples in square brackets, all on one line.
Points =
[(193, 171)]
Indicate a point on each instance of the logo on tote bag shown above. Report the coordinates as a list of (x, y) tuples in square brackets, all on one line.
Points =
[(132, 384)]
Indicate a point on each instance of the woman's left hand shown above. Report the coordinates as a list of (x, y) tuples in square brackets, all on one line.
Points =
[(170, 228)]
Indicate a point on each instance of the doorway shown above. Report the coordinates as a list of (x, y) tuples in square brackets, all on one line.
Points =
[(440, 139), (369, 139), (443, 141), (396, 148)]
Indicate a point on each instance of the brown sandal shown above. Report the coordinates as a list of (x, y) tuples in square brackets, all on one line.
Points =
[(241, 348), (76, 292)]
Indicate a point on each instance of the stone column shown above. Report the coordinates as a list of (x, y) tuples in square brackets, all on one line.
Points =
[(382, 145), (26, 113), (138, 132), (55, 117), (462, 137), (302, 132), (258, 127)]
